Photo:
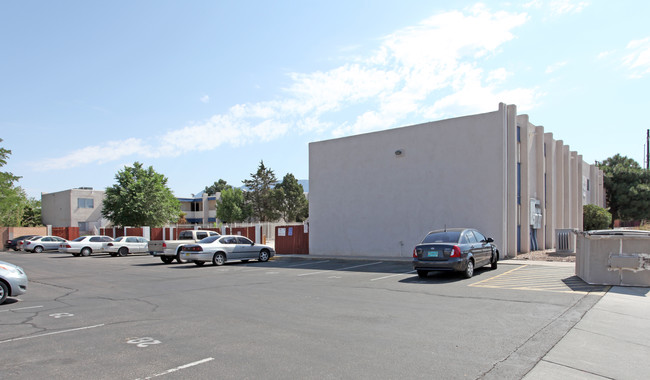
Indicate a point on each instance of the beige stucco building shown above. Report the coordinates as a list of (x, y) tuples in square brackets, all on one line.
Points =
[(378, 194), (80, 207)]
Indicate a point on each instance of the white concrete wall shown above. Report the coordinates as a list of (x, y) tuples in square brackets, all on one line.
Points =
[(55, 209), (367, 201)]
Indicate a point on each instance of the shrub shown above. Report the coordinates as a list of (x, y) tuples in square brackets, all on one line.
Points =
[(595, 218)]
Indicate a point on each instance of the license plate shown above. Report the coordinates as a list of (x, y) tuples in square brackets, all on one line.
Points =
[(187, 254), (432, 254)]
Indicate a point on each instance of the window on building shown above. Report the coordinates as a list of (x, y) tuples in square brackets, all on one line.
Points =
[(83, 226), (196, 206), (85, 203)]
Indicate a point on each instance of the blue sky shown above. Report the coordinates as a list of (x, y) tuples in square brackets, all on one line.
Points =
[(203, 90)]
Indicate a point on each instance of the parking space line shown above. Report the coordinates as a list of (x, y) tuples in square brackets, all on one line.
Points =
[(392, 275), (51, 333), (21, 308), (172, 370), (340, 269), (540, 278), (309, 263)]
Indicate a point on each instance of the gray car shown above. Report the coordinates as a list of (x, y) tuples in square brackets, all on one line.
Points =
[(454, 249), (39, 244), (219, 249), (13, 281)]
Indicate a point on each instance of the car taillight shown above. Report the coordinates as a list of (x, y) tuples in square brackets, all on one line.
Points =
[(28, 242), (65, 246), (415, 254), (110, 244), (455, 251), (164, 245)]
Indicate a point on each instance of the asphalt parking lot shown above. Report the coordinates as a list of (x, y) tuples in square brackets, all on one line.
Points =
[(134, 317)]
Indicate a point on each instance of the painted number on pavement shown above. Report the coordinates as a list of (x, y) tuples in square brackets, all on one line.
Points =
[(143, 342)]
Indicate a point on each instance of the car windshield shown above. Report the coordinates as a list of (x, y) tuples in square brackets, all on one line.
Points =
[(80, 238), (118, 239), (209, 239), (442, 237)]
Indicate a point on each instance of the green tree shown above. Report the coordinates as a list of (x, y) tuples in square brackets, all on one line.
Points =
[(217, 187), (232, 206), (627, 188), (140, 198), (595, 218), (32, 213), (12, 197), (260, 195), (291, 199)]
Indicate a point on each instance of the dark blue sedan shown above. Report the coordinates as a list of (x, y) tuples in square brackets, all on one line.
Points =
[(454, 249)]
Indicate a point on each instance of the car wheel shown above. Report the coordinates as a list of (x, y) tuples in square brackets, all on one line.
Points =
[(495, 258), (218, 259), (4, 292), (264, 255), (199, 263), (469, 271), (178, 256), (167, 259), (38, 249), (123, 251), (423, 273), (85, 251)]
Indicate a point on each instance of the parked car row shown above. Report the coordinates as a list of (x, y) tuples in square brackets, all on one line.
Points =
[(81, 246), (213, 247)]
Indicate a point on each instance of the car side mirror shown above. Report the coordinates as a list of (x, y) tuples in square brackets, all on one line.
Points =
[(489, 240)]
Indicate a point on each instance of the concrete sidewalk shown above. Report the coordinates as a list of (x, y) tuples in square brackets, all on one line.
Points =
[(612, 341)]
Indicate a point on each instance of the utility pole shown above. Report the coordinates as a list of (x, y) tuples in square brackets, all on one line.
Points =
[(647, 154)]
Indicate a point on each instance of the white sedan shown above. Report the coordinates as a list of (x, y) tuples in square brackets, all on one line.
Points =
[(124, 245), (86, 245), (220, 249)]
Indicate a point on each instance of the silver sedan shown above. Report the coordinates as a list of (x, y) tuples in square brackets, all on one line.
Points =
[(219, 249), (39, 244), (13, 281)]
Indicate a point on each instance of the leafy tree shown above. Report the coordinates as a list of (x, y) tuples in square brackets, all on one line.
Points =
[(291, 200), (627, 188), (217, 187), (12, 198), (232, 206), (260, 194), (595, 218), (32, 213), (140, 198)]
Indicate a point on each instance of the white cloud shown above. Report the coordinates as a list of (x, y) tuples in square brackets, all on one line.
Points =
[(555, 67), (558, 7), (205, 99), (562, 7), (99, 154), (428, 70), (637, 60)]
